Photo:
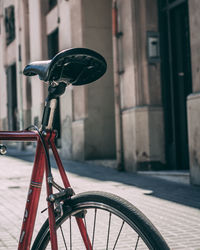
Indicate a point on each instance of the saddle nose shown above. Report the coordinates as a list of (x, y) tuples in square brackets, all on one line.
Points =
[(39, 68)]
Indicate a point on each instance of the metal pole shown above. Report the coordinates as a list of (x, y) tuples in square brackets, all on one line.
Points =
[(116, 65)]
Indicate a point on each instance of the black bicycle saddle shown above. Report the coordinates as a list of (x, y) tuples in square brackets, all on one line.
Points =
[(76, 66)]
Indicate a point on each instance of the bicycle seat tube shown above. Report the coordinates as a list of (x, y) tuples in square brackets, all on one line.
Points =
[(54, 91)]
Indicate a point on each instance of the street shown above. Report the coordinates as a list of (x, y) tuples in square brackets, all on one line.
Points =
[(171, 206)]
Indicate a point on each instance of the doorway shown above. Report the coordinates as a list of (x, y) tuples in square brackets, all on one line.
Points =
[(176, 79), (12, 97), (53, 47)]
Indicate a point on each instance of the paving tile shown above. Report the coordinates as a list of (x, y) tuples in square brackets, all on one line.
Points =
[(173, 207)]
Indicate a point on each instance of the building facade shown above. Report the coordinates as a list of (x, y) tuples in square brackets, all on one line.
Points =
[(144, 112)]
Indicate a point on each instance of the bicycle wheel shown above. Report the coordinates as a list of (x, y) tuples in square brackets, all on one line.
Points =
[(110, 221)]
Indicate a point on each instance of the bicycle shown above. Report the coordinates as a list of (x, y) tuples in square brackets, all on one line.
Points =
[(87, 217)]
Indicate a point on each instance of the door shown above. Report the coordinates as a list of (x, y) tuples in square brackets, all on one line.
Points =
[(12, 97), (176, 79)]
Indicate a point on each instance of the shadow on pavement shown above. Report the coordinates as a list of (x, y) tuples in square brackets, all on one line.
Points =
[(187, 195)]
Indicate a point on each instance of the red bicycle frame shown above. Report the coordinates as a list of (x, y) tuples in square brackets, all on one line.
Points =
[(40, 166)]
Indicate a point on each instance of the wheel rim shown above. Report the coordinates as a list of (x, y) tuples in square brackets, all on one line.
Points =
[(107, 228)]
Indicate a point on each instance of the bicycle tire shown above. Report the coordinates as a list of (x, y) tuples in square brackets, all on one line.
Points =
[(118, 209)]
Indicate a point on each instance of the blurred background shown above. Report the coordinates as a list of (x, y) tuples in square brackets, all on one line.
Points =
[(144, 113)]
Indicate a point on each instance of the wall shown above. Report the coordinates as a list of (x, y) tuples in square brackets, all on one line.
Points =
[(7, 57), (66, 99), (93, 105), (193, 101), (36, 33), (3, 94), (142, 113)]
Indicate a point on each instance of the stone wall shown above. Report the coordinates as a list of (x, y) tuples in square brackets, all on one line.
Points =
[(141, 106), (193, 101)]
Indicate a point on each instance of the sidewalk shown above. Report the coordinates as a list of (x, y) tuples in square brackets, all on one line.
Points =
[(173, 207)]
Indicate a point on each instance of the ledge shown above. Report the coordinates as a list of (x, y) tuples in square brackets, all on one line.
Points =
[(193, 96), (142, 108)]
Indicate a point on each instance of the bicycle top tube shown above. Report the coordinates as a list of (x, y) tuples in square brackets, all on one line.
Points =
[(24, 135), (19, 135)]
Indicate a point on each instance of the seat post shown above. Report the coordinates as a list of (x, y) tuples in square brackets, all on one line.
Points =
[(51, 107), (54, 91)]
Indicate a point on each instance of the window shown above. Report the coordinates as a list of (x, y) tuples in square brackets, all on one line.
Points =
[(10, 24), (52, 4), (12, 97), (52, 44)]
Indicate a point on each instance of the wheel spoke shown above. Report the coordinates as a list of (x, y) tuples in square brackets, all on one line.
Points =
[(63, 237), (108, 231), (70, 234), (118, 235), (94, 226), (137, 242)]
